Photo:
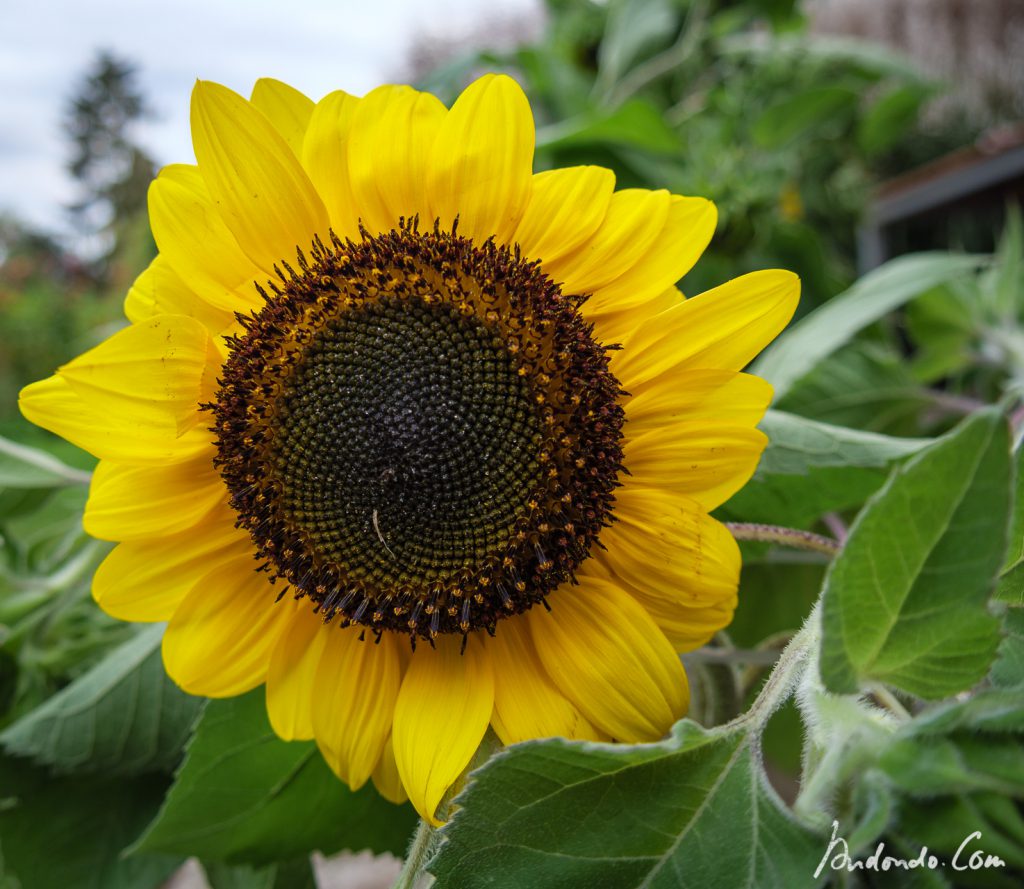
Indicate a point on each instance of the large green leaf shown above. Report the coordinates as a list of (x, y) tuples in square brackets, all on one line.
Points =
[(821, 332), (124, 716), (693, 810), (244, 795), (1008, 670), (1011, 578), (797, 445), (68, 833), (811, 468), (905, 601)]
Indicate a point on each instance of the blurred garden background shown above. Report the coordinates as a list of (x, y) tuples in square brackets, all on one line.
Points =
[(875, 147)]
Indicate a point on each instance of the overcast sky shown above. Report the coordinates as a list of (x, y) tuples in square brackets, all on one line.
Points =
[(315, 45)]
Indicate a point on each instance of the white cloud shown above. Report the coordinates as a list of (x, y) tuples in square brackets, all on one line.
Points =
[(315, 45)]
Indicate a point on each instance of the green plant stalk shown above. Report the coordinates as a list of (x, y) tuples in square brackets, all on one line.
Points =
[(784, 677), (793, 537), (421, 850)]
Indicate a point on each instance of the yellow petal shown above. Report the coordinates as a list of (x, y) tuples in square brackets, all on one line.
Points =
[(292, 671), (441, 717), (145, 580), (151, 374), (704, 460), (607, 655), (193, 238), (526, 703), (682, 565), (129, 502), (325, 157), (482, 160), (159, 290), (219, 641), (723, 328), (386, 778), (54, 405), (566, 207), (716, 396), (354, 696), (633, 222), (263, 194), (286, 108), (686, 627), (616, 325), (687, 232), (393, 129)]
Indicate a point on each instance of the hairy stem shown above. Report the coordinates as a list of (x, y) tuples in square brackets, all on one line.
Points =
[(794, 537), (422, 847), (784, 677)]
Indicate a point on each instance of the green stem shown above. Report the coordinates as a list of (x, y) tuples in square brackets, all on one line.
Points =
[(785, 536), (44, 461), (891, 703), (421, 849), (784, 677)]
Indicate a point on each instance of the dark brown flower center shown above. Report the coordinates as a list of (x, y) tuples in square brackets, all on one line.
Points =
[(419, 433)]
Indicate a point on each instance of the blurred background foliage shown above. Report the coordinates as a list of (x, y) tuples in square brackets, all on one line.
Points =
[(788, 129)]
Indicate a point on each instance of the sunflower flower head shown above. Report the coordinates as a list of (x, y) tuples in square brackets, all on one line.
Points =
[(420, 439)]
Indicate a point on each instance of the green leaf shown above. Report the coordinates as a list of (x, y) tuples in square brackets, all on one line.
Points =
[(1001, 286), (124, 716), (810, 468), (802, 114), (800, 500), (871, 60), (1008, 670), (239, 876), (1011, 578), (943, 824), (693, 810), (636, 123), (25, 467), (873, 806), (797, 445), (960, 763), (905, 601), (991, 710), (244, 795), (865, 385), (68, 833), (296, 874), (940, 326), (888, 119), (821, 332)]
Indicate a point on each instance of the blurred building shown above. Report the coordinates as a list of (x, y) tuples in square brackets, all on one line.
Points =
[(975, 46)]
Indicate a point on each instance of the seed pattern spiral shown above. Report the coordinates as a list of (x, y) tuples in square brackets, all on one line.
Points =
[(419, 433)]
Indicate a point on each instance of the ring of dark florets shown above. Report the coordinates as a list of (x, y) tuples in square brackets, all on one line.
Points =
[(419, 433)]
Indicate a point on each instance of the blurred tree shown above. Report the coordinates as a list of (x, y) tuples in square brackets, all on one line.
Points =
[(112, 170)]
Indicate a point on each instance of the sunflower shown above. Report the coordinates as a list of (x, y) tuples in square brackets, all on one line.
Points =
[(424, 441)]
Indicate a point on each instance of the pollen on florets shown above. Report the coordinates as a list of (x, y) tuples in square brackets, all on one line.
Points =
[(419, 433)]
